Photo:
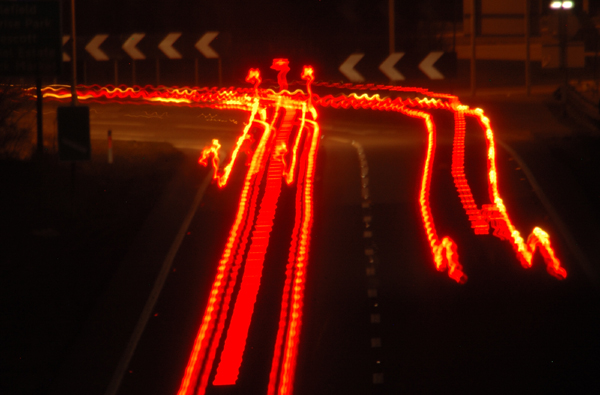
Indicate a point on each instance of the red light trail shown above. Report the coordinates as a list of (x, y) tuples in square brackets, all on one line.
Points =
[(283, 119)]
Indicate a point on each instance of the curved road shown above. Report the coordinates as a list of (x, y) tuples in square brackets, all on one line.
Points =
[(378, 317)]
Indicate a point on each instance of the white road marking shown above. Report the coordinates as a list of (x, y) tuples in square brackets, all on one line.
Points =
[(115, 382), (365, 193), (339, 140), (367, 234), (377, 378), (117, 123), (203, 125)]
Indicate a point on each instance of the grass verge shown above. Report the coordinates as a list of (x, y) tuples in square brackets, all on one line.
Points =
[(64, 230)]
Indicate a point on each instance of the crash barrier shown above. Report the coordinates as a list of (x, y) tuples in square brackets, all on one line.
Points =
[(582, 109)]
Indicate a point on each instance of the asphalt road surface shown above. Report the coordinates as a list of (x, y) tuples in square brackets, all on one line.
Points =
[(183, 127), (378, 318)]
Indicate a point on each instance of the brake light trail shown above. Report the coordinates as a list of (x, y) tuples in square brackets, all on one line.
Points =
[(200, 365), (283, 119)]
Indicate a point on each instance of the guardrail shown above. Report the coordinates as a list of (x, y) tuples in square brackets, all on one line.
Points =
[(581, 108)]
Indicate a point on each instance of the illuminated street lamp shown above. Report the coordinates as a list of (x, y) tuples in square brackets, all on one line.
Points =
[(565, 5)]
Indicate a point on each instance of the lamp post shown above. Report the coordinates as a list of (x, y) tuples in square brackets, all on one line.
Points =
[(473, 49), (562, 8), (527, 48), (392, 30)]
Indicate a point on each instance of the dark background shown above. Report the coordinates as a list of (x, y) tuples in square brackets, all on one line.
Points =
[(321, 33)]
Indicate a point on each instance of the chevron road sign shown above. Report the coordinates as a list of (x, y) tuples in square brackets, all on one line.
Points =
[(166, 45), (203, 45), (130, 46), (139, 46), (387, 67), (436, 65), (347, 68), (65, 56), (93, 47), (427, 65)]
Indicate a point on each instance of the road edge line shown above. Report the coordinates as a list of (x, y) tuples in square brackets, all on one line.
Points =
[(117, 377), (558, 222)]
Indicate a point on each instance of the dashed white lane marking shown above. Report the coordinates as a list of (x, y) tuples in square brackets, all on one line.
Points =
[(377, 378), (370, 253), (365, 193), (116, 123)]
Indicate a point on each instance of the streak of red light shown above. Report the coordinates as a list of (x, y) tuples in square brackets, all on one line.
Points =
[(258, 102)]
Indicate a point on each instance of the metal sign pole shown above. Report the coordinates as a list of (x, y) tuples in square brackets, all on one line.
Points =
[(392, 27), (73, 57), (40, 116), (527, 49), (132, 72), (473, 52), (116, 73), (220, 73), (157, 71)]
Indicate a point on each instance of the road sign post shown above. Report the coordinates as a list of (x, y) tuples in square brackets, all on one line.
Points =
[(110, 147), (74, 133), (40, 115), (30, 41), (527, 49), (473, 49), (73, 57), (203, 45)]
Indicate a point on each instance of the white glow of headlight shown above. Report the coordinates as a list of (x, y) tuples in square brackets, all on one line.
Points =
[(567, 5)]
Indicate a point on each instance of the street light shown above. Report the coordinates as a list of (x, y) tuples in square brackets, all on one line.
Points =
[(565, 5)]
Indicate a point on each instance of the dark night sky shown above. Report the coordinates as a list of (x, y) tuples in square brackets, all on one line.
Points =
[(317, 31), (258, 18), (312, 27)]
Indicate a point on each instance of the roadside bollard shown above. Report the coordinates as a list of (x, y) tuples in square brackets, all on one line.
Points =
[(110, 149)]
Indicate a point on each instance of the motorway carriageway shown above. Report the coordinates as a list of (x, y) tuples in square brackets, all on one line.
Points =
[(378, 317)]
